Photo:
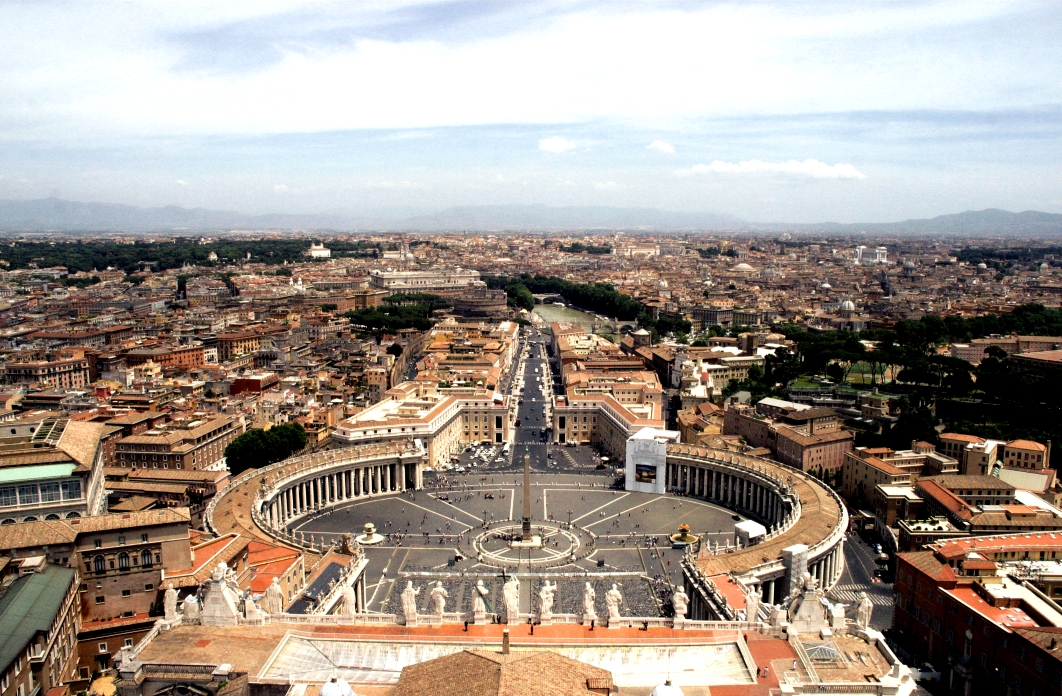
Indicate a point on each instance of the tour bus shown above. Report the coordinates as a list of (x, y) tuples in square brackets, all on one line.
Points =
[(505, 450)]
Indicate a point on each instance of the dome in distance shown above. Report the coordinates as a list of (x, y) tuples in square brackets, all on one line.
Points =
[(743, 268), (848, 306)]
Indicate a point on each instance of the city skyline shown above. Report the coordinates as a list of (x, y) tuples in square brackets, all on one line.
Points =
[(770, 113)]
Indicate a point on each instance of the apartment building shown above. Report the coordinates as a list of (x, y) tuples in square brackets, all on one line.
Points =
[(810, 439), (39, 620), (51, 469), (195, 443), (441, 281), (185, 357), (231, 345), (444, 422), (963, 606), (72, 373), (121, 559)]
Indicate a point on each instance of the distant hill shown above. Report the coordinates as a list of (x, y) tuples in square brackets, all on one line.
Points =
[(972, 223), (61, 215), (542, 217), (56, 214)]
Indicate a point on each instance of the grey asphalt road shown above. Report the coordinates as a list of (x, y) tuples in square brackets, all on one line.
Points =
[(859, 577)]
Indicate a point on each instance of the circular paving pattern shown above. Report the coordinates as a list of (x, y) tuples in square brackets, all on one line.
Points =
[(560, 545)]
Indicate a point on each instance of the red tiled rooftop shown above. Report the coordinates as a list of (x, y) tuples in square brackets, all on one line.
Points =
[(945, 497), (1011, 617), (958, 548)]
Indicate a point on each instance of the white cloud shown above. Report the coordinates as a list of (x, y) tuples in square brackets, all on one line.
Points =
[(556, 144), (809, 167), (181, 182), (661, 146), (138, 68), (606, 186), (280, 188)]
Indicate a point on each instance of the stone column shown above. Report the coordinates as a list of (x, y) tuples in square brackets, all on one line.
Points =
[(376, 483)]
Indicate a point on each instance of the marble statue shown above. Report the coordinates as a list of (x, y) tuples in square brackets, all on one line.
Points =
[(479, 607), (613, 601), (752, 603), (863, 611), (409, 603), (511, 594), (169, 602), (438, 598), (589, 613), (190, 608), (274, 598), (218, 574), (350, 601), (681, 602), (810, 583), (545, 599)]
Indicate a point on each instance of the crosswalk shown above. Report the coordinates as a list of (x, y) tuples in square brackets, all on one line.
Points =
[(849, 594)]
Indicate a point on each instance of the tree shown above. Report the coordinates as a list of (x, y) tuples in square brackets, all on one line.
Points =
[(257, 448)]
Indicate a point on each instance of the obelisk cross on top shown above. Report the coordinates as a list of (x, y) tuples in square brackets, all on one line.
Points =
[(525, 531)]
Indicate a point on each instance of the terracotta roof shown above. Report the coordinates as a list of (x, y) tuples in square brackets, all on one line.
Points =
[(928, 563), (483, 673), (960, 437), (942, 495), (49, 532), (1027, 444)]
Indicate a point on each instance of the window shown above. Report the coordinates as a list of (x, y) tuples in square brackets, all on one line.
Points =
[(71, 490), (145, 558), (951, 636), (100, 599), (128, 642), (98, 564), (1039, 665), (102, 647), (123, 561), (126, 593), (149, 587), (7, 496), (121, 540), (98, 543), (28, 495), (5, 682), (49, 492)]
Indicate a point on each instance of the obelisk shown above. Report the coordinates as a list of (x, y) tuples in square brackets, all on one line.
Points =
[(525, 531)]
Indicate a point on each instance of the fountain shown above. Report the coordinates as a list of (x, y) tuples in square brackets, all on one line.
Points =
[(369, 535), (684, 536)]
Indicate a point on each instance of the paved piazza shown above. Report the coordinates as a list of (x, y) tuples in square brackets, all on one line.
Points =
[(457, 531)]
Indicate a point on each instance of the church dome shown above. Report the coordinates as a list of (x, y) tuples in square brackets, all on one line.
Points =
[(743, 268), (848, 306)]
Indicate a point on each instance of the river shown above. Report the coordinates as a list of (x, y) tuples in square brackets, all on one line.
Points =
[(551, 313)]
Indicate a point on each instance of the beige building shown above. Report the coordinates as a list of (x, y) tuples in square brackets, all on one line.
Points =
[(198, 443), (445, 423), (56, 374)]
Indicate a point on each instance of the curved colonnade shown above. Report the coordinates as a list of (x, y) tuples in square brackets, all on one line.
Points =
[(263, 503), (805, 521)]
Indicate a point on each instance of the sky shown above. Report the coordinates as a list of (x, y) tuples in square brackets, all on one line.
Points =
[(772, 112)]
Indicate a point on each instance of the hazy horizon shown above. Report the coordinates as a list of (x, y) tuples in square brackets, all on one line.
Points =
[(873, 112)]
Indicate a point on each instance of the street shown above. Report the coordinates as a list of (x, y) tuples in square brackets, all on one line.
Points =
[(859, 577)]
